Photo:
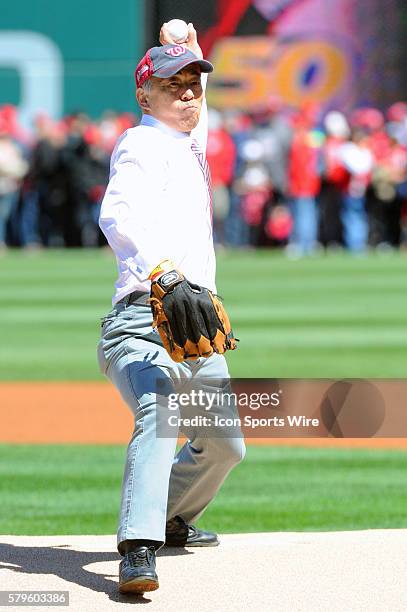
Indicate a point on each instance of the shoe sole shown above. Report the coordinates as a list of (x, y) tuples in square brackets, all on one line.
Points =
[(193, 545), (139, 585)]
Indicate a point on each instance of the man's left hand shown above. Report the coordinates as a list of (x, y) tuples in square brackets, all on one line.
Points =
[(191, 320)]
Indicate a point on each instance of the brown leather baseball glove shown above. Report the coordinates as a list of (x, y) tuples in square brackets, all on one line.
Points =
[(190, 319)]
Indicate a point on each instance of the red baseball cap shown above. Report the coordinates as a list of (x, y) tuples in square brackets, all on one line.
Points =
[(165, 61)]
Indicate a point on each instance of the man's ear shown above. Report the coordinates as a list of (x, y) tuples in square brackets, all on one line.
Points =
[(142, 99)]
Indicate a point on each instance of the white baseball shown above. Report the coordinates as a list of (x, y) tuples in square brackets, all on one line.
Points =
[(178, 30)]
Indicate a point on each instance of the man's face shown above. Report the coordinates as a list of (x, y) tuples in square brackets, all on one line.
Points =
[(177, 100)]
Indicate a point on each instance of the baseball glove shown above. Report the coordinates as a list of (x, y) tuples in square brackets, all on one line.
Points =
[(190, 319)]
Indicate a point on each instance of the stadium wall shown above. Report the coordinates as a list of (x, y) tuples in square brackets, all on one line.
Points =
[(60, 57)]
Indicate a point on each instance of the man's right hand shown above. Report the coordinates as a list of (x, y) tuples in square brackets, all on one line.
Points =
[(191, 43)]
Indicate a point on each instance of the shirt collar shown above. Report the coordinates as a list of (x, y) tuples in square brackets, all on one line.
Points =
[(151, 121)]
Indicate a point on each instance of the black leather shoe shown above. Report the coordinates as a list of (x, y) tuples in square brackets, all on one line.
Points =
[(179, 533), (137, 571)]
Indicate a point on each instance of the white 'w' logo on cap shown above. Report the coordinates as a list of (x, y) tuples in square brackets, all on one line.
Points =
[(176, 51)]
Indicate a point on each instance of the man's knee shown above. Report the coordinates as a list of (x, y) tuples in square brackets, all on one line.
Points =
[(227, 450)]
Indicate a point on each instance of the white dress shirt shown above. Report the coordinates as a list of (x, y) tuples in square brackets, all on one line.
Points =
[(157, 206)]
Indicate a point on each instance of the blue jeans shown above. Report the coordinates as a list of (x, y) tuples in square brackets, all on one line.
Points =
[(7, 202), (29, 219), (236, 228), (355, 223), (157, 484), (305, 230)]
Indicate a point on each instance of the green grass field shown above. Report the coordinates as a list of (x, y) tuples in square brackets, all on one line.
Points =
[(76, 490), (329, 316)]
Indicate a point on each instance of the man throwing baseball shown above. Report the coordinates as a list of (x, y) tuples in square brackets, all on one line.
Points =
[(167, 326)]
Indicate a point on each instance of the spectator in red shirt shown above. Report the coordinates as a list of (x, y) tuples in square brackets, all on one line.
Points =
[(304, 183)]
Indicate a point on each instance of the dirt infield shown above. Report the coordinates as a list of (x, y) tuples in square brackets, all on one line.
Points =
[(94, 413), (359, 571)]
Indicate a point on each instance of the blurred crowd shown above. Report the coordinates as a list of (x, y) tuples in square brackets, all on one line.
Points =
[(300, 179), (303, 180), (52, 181)]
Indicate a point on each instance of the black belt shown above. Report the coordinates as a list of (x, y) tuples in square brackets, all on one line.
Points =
[(136, 297)]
